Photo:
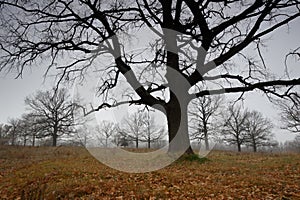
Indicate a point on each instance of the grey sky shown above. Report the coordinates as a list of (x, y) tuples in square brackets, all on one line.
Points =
[(13, 91)]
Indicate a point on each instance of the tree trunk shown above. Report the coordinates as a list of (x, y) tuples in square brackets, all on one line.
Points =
[(54, 140), (254, 146), (54, 136), (149, 143), (25, 140), (137, 143), (239, 147), (33, 140), (206, 137), (178, 127)]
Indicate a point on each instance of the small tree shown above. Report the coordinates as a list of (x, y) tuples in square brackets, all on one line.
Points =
[(105, 131), (235, 126), (203, 113), (13, 130), (295, 144), (55, 112), (4, 134), (152, 132), (133, 127), (258, 130)]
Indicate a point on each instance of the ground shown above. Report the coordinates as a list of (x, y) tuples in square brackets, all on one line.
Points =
[(72, 173)]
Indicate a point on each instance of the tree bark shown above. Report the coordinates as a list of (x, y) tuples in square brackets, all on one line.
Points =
[(149, 143), (239, 147), (54, 136), (206, 137), (178, 127), (254, 146), (136, 143), (33, 140)]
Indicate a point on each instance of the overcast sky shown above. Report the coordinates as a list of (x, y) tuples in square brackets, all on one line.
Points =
[(13, 91)]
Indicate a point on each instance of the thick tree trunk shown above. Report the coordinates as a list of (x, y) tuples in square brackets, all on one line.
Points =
[(149, 143), (54, 140), (137, 143), (254, 147), (54, 136), (178, 128)]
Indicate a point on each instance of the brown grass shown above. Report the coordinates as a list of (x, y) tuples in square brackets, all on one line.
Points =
[(71, 173)]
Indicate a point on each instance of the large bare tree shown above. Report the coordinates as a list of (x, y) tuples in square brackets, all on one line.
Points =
[(75, 34), (55, 111)]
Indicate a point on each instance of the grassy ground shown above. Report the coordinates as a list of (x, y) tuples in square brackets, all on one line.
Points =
[(71, 173)]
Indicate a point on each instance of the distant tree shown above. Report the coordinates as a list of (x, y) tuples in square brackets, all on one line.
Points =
[(258, 130), (104, 131), (120, 140), (14, 130), (4, 134), (293, 145), (32, 126), (83, 135), (203, 114), (234, 129), (24, 130), (153, 132), (55, 112), (133, 127)]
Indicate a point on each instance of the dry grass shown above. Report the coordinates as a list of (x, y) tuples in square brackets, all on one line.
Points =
[(71, 173)]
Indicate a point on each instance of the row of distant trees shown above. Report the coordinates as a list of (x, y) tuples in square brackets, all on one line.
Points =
[(138, 127), (51, 115), (233, 124)]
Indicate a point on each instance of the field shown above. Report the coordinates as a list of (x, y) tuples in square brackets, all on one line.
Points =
[(72, 173)]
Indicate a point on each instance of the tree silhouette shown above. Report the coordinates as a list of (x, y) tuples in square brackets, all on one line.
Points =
[(203, 115), (74, 35), (258, 130), (55, 112), (235, 129)]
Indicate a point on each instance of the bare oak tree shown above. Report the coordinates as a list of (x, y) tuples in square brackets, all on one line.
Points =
[(152, 132), (55, 112), (258, 130), (235, 126), (104, 131), (213, 33), (203, 117), (133, 127), (13, 130), (4, 134)]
